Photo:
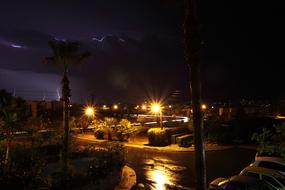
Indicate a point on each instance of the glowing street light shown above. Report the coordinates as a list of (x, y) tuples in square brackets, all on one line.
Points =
[(156, 108), (115, 107), (89, 111), (204, 106), (143, 107)]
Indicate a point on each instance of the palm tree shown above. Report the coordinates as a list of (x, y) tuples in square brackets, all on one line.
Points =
[(65, 54), (192, 49)]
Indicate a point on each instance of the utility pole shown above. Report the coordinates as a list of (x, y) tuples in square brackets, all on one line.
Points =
[(192, 50)]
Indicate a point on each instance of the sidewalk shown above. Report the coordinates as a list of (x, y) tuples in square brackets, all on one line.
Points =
[(142, 142)]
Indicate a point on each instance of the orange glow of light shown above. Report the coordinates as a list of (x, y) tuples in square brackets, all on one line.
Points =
[(155, 108), (115, 107), (144, 107), (204, 106), (89, 111)]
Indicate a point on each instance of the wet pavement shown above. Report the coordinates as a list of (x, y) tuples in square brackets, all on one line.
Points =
[(158, 170), (166, 170)]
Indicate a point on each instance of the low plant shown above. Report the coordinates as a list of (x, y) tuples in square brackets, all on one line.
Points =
[(100, 128), (159, 137), (271, 142), (25, 171), (107, 161), (125, 130)]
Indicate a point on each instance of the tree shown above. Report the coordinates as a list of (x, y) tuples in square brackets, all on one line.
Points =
[(65, 54), (192, 49), (125, 130), (12, 111)]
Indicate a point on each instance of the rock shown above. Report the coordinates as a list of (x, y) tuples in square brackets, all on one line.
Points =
[(140, 186)]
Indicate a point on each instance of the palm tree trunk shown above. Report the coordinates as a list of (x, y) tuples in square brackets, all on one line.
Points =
[(66, 97), (192, 48)]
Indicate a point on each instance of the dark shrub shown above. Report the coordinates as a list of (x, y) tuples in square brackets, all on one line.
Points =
[(105, 162), (25, 171), (99, 134), (221, 134), (271, 143), (159, 137), (125, 130)]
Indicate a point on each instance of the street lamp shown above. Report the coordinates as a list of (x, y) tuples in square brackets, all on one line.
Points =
[(143, 107), (156, 108), (89, 111), (115, 107)]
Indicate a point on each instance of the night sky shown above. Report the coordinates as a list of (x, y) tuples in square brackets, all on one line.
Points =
[(138, 49)]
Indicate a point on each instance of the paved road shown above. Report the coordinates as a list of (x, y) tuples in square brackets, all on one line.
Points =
[(155, 168)]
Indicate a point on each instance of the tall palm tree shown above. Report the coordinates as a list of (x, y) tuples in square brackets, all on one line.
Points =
[(65, 54), (192, 49)]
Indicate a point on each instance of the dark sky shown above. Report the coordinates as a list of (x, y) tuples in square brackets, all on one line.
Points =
[(138, 49)]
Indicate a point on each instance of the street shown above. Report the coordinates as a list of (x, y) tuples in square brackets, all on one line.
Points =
[(155, 169)]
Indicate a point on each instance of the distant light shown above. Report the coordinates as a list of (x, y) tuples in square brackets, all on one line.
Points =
[(212, 107), (170, 106), (115, 107), (204, 106), (144, 107), (280, 117), (89, 111)]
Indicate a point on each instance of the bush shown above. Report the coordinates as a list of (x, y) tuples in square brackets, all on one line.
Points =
[(99, 134), (159, 137), (220, 133), (271, 143), (25, 171), (125, 130), (107, 161), (100, 128)]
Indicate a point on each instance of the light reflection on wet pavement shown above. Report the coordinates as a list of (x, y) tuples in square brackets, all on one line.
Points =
[(158, 170), (159, 173)]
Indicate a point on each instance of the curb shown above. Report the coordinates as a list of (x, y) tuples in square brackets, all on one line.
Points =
[(167, 149), (128, 179)]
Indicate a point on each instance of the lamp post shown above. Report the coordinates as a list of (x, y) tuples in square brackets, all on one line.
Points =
[(157, 109)]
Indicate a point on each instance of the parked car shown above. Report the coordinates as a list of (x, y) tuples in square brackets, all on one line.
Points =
[(271, 176), (240, 182), (275, 163)]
